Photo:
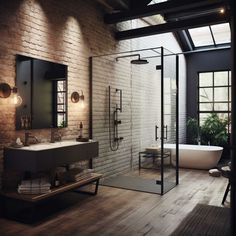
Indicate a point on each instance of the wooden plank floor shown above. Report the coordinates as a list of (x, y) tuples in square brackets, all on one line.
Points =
[(121, 212)]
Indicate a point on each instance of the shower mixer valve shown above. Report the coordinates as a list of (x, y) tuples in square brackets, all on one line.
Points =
[(117, 122), (118, 139)]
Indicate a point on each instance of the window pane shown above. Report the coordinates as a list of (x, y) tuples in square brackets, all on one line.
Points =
[(205, 107), (229, 77), (60, 108), (223, 116), (201, 36), (61, 120), (205, 95), (61, 85), (221, 78), (202, 117), (221, 33), (205, 79), (221, 94), (221, 107)]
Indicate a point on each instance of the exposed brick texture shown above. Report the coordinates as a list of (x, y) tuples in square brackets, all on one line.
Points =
[(67, 32)]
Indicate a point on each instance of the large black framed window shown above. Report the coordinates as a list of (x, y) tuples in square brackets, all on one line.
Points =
[(214, 95)]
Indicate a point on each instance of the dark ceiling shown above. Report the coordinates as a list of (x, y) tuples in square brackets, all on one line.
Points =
[(179, 15)]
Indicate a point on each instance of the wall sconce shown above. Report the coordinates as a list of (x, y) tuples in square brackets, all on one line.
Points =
[(76, 97), (6, 91)]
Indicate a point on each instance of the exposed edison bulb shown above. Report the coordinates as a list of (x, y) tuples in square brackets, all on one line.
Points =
[(16, 99), (222, 11), (82, 105)]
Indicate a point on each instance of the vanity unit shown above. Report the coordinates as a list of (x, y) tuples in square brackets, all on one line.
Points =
[(45, 157)]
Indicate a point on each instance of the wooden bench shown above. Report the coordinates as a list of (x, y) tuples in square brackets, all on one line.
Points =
[(31, 202), (56, 190)]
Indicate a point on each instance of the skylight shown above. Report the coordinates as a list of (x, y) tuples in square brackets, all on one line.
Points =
[(221, 33), (210, 35), (201, 36)]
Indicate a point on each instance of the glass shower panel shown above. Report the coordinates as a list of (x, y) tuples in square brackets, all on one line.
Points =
[(132, 153), (170, 119), (111, 89)]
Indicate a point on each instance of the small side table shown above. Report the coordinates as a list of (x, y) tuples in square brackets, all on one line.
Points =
[(152, 155)]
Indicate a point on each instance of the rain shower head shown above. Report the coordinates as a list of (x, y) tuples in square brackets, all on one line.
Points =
[(139, 61)]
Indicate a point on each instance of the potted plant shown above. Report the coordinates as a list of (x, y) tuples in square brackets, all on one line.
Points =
[(214, 131), (193, 130)]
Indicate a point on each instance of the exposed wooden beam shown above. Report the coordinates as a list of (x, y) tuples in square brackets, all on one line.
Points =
[(159, 8), (172, 26)]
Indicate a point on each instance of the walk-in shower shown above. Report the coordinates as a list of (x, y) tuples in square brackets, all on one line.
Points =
[(129, 102)]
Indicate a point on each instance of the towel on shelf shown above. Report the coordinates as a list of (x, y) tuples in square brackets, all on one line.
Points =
[(78, 174), (34, 186), (34, 192)]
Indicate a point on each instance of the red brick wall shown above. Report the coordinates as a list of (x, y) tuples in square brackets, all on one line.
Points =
[(68, 32), (62, 31)]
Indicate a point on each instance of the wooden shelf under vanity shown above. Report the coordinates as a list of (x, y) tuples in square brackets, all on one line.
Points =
[(54, 191)]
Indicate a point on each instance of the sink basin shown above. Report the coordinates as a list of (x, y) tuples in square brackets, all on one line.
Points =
[(46, 156), (44, 146)]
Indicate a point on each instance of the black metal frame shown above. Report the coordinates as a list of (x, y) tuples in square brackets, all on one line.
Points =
[(233, 125), (91, 104), (154, 156), (163, 127), (228, 111), (88, 192), (31, 218)]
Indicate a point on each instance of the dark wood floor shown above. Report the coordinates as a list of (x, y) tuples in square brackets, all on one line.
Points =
[(121, 212)]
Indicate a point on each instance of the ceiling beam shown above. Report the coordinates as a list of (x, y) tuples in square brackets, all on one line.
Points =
[(159, 8), (194, 12), (172, 26)]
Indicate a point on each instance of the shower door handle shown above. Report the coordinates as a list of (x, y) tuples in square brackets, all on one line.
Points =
[(165, 127), (156, 128)]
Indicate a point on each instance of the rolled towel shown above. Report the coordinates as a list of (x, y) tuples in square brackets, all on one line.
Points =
[(214, 173)]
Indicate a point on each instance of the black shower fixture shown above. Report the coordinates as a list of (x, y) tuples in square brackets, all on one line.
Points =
[(139, 61)]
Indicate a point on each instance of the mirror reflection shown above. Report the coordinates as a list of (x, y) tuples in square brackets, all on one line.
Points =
[(43, 88)]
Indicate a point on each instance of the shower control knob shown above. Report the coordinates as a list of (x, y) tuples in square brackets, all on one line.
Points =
[(117, 122)]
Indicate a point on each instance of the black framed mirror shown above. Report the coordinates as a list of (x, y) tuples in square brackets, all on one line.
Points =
[(43, 87)]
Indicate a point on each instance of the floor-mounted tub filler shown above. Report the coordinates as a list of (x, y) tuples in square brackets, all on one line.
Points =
[(196, 156)]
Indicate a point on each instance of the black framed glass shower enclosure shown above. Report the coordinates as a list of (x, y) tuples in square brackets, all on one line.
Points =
[(138, 143)]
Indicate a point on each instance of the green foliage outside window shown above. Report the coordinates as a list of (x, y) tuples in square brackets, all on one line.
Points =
[(213, 131)]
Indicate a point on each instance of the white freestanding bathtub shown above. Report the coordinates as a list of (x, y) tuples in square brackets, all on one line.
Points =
[(196, 156)]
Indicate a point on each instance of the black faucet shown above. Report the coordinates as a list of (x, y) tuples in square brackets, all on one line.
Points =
[(55, 135), (28, 136)]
